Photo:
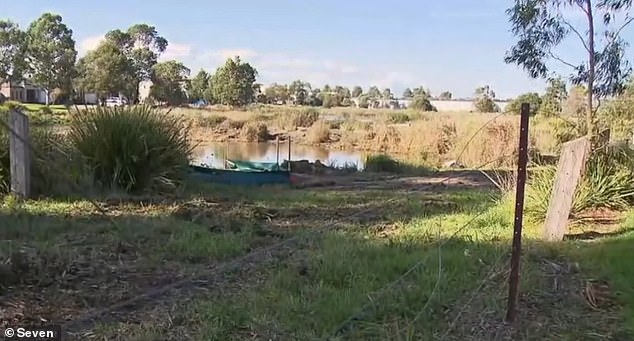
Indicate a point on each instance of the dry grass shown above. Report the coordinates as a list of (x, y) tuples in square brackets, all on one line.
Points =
[(429, 138), (319, 132), (255, 132)]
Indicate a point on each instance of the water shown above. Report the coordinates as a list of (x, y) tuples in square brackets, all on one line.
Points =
[(213, 154)]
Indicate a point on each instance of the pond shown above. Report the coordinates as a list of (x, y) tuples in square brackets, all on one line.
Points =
[(214, 154)]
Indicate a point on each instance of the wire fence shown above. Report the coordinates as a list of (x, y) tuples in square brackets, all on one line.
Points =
[(343, 328)]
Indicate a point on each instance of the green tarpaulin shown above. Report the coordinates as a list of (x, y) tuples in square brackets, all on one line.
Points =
[(253, 166)]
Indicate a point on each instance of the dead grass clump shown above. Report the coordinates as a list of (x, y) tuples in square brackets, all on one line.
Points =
[(386, 138), (319, 132), (231, 124), (255, 132), (494, 146), (298, 118)]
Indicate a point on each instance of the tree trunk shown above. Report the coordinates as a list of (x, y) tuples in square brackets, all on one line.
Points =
[(46, 99), (591, 72)]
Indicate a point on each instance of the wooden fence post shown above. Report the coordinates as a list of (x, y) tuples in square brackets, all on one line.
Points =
[(20, 154), (571, 165)]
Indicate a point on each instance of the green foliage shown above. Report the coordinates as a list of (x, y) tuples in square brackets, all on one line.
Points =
[(48, 150), (607, 183), (233, 83), (199, 86), (132, 148), (105, 70), (277, 93), (142, 45), (422, 103), (620, 113), (356, 91), (329, 100), (407, 93), (398, 117), (381, 163), (445, 96), (51, 52), (13, 47), (485, 100), (167, 82), (552, 101), (364, 102), (14, 105), (299, 90), (541, 26), (303, 118), (531, 98)]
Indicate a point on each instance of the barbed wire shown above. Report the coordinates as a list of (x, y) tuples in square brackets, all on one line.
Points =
[(341, 329)]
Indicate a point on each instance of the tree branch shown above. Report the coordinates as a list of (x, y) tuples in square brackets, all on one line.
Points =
[(585, 45), (553, 56), (582, 8)]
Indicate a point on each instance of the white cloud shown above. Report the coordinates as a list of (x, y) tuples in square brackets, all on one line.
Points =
[(176, 51), (88, 44)]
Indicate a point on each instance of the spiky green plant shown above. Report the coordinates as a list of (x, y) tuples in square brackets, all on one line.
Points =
[(606, 183), (132, 148)]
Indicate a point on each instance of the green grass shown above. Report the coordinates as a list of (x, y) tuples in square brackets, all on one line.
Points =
[(310, 287), (34, 107)]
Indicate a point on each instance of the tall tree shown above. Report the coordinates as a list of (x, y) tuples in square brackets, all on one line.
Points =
[(276, 93), (445, 95), (233, 83), (12, 51), (542, 25), (553, 99), (50, 53), (142, 45), (299, 90), (407, 93), (199, 85), (356, 91), (168, 82), (485, 100), (104, 71), (374, 92)]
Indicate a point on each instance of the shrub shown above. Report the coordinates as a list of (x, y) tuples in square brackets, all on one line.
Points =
[(255, 132), (532, 98), (422, 103), (319, 132), (50, 163), (132, 148), (300, 117), (398, 117), (14, 105), (381, 163), (46, 111), (210, 121), (606, 184)]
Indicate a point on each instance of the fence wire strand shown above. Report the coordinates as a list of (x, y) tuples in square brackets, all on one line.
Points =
[(344, 327)]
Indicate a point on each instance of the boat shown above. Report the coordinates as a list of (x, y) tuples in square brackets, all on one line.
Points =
[(240, 172), (243, 174)]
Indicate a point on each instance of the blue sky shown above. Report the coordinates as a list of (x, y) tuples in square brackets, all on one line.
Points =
[(453, 45)]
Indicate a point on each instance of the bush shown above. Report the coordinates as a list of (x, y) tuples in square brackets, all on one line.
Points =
[(50, 162), (255, 132), (210, 121), (46, 111), (381, 163), (14, 105), (398, 117), (422, 103), (319, 132), (132, 148), (303, 118), (607, 183)]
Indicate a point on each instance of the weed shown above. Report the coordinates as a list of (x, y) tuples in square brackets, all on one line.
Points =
[(398, 117), (381, 163)]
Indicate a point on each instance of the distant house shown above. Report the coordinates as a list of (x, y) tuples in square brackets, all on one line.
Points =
[(23, 92), (27, 93)]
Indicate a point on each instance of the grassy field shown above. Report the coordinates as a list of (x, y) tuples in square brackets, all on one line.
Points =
[(345, 250)]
